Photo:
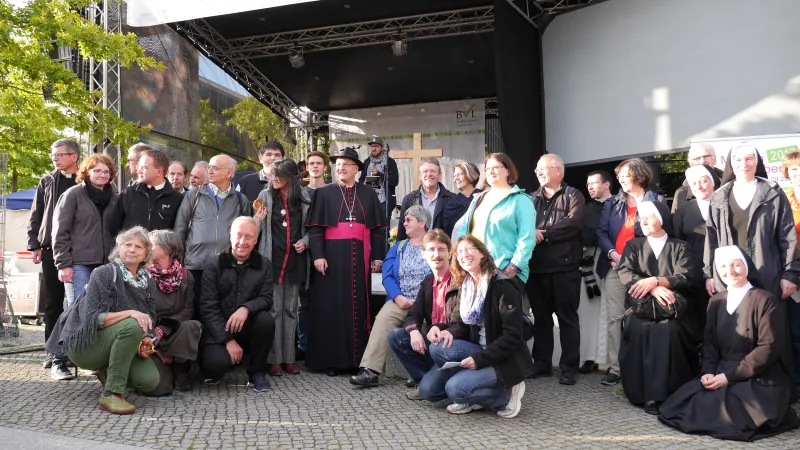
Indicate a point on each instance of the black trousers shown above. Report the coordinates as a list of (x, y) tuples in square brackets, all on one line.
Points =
[(255, 339), (53, 292), (198, 292), (557, 293)]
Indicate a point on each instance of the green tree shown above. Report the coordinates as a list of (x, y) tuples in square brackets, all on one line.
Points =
[(29, 121), (211, 136), (259, 122)]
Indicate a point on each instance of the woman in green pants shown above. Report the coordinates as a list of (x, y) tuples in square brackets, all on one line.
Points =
[(110, 328)]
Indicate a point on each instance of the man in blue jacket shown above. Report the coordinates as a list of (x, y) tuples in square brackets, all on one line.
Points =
[(403, 271)]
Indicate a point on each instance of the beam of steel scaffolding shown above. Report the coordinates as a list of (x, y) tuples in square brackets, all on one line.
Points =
[(409, 28), (219, 50)]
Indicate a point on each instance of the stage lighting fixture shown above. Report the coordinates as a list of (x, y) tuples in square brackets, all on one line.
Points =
[(296, 58), (399, 46)]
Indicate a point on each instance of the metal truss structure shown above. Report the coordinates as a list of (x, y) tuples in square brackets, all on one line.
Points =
[(105, 76), (410, 28), (222, 52), (563, 6)]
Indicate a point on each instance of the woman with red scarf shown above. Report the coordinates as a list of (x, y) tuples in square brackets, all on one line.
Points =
[(178, 335)]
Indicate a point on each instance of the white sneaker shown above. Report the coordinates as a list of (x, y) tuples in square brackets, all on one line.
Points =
[(61, 372), (461, 408), (514, 403)]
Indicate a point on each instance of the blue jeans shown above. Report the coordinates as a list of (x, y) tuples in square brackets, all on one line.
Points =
[(793, 310), (80, 278), (416, 365), (465, 386)]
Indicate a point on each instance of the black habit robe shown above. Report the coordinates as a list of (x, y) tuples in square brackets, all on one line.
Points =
[(340, 318), (656, 358), (689, 225), (751, 348)]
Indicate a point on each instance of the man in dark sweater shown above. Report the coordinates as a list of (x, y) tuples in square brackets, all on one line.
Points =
[(64, 153), (236, 303), (699, 153), (152, 202), (252, 184), (555, 281)]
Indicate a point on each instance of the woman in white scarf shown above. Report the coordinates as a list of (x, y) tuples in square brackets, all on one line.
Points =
[(746, 387), (482, 355)]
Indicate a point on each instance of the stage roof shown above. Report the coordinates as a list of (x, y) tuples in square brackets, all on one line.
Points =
[(347, 50)]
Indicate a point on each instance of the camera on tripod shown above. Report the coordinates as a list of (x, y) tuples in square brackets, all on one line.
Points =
[(592, 289)]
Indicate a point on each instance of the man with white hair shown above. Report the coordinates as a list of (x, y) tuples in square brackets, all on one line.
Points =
[(205, 217), (555, 282), (236, 303), (198, 175), (699, 153)]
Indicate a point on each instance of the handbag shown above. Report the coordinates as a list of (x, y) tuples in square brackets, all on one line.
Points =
[(649, 308)]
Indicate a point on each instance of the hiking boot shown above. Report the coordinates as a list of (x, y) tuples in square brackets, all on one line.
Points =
[(115, 404)]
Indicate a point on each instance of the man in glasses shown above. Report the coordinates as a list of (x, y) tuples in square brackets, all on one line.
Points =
[(699, 153), (346, 236), (205, 217), (555, 281), (64, 153)]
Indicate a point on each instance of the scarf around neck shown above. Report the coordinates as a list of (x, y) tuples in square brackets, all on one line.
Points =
[(100, 197), (168, 280), (141, 275), (380, 164), (472, 299)]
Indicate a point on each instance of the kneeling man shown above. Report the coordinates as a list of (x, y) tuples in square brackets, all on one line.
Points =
[(434, 306), (403, 271), (235, 308)]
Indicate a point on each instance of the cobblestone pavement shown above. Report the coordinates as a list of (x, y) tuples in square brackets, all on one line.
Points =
[(315, 411)]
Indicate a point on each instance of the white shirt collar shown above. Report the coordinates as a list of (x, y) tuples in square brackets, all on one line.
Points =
[(736, 295), (68, 175), (657, 244), (160, 186), (743, 192), (219, 192), (704, 206)]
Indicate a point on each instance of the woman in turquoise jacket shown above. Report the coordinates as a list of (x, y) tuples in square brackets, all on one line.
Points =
[(503, 218)]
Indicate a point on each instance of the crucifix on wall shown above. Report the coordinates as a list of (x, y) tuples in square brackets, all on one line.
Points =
[(417, 153)]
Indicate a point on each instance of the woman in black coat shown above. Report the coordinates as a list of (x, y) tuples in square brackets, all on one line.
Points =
[(689, 224), (746, 388), (657, 355), (485, 342), (754, 214)]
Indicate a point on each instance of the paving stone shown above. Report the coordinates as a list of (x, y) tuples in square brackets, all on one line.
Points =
[(315, 411)]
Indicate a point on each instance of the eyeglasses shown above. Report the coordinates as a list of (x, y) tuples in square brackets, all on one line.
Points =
[(542, 169), (60, 155), (216, 168), (493, 168), (346, 165), (101, 172), (698, 158), (464, 250)]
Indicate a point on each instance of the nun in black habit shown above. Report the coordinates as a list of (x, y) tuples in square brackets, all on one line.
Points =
[(657, 356), (746, 387), (689, 224), (754, 214)]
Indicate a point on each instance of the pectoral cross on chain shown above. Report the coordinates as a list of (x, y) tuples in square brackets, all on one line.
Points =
[(350, 219)]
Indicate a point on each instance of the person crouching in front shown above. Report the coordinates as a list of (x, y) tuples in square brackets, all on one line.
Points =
[(235, 308), (487, 343), (110, 328)]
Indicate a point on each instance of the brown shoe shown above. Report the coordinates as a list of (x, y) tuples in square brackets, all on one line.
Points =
[(292, 368), (275, 370), (115, 404)]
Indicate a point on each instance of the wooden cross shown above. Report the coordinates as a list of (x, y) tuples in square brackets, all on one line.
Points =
[(417, 153)]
